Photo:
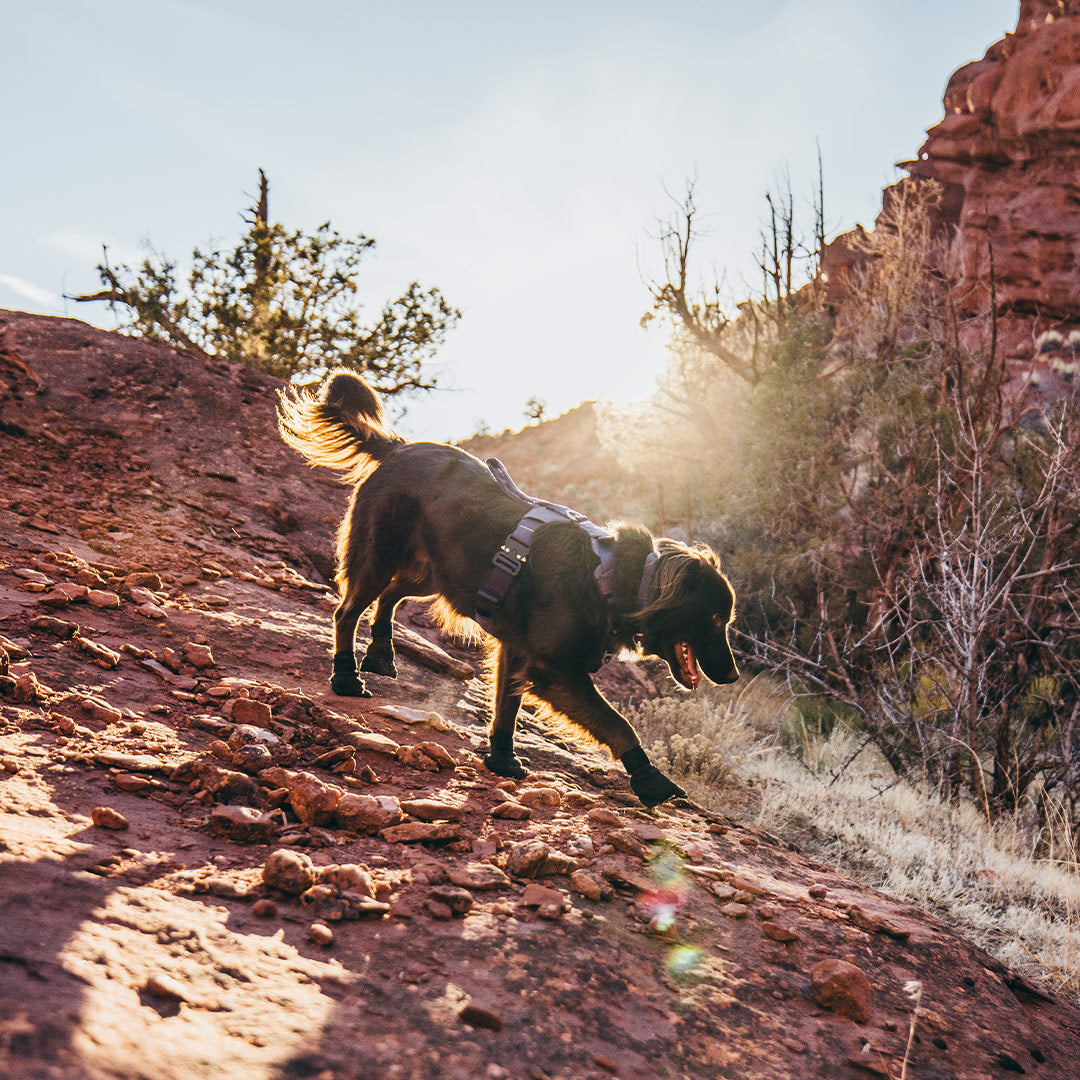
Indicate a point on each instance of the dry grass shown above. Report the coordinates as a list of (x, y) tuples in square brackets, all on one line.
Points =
[(1012, 889)]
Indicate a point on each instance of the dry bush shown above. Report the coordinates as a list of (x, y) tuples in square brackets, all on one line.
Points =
[(1012, 885), (706, 740)]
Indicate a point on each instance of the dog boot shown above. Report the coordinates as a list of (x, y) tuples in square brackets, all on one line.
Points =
[(650, 785), (345, 682), (379, 658), (502, 760)]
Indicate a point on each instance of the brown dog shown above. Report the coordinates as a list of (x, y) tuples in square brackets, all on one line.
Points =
[(428, 519)]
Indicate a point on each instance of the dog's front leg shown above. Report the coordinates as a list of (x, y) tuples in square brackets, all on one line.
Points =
[(579, 701), (502, 760)]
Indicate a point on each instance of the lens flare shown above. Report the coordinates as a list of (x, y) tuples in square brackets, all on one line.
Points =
[(683, 961)]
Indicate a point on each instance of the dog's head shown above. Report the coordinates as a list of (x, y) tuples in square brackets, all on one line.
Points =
[(686, 621)]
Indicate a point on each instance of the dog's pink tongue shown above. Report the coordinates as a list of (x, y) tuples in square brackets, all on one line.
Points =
[(690, 670)]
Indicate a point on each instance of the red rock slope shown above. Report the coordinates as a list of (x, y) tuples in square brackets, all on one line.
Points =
[(165, 728)]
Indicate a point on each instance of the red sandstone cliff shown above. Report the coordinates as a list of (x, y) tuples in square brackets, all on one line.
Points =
[(1007, 154)]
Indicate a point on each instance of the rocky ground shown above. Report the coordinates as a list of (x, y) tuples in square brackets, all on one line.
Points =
[(211, 867)]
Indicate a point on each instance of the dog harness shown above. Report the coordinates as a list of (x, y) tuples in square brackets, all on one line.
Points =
[(512, 556)]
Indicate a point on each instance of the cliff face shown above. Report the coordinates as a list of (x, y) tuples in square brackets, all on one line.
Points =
[(1007, 154)]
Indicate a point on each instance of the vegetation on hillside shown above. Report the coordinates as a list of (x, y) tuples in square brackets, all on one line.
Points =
[(901, 523), (285, 302)]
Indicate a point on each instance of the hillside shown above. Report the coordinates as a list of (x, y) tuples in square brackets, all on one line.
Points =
[(166, 727)]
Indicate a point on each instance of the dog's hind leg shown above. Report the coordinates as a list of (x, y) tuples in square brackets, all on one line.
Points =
[(345, 681), (579, 701), (379, 656), (502, 760)]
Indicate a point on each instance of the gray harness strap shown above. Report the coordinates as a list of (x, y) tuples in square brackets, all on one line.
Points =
[(514, 552)]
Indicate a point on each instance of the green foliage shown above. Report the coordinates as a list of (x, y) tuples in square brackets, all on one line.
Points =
[(285, 302)]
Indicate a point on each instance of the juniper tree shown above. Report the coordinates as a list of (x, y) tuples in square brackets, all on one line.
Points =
[(283, 301)]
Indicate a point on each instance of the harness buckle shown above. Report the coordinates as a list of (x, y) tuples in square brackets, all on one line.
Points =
[(509, 561)]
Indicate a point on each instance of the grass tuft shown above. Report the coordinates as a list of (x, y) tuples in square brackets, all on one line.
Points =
[(1011, 887)]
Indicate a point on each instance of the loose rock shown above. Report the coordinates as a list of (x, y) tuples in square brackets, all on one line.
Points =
[(290, 871), (526, 858), (105, 817), (321, 935), (242, 823), (841, 987)]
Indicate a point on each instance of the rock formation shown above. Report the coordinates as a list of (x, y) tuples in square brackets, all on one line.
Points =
[(1007, 154)]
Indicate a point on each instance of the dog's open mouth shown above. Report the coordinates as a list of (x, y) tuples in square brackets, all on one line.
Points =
[(688, 668)]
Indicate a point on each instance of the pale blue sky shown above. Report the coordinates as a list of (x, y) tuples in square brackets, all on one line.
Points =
[(513, 154)]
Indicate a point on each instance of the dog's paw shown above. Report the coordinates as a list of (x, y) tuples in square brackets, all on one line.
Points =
[(652, 787), (347, 684), (379, 661), (506, 763)]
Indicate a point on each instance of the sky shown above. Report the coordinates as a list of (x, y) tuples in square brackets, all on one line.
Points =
[(518, 156)]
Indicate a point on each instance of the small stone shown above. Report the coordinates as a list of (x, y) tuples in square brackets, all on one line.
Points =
[(290, 871), (433, 810), (248, 711), (367, 813), (421, 832), (818, 892), (604, 818), (557, 864), (264, 909), (105, 817), (27, 689), (586, 885), (64, 594), (511, 811), (101, 655), (540, 796), (628, 842), (242, 823), (102, 598), (426, 756), (537, 895), (143, 579), (478, 876), (373, 741), (166, 987), (841, 987), (723, 891), (313, 800), (115, 759), (321, 935), (127, 782), (59, 628), (101, 711), (526, 858), (779, 932), (152, 611), (458, 900), (734, 911), (198, 656), (347, 877), (477, 1016), (228, 785)]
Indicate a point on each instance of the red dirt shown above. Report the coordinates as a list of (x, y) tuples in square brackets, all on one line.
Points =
[(158, 950)]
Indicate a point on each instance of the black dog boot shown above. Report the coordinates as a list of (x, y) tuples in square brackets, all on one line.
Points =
[(502, 760), (345, 682), (379, 658), (650, 785)]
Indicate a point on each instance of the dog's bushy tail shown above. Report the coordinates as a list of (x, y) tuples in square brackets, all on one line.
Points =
[(340, 426)]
